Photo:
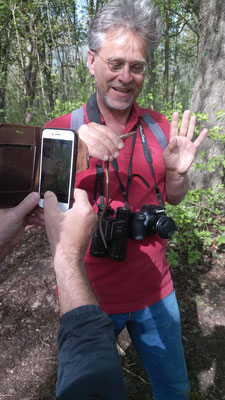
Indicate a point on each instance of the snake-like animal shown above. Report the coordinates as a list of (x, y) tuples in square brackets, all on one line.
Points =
[(124, 136)]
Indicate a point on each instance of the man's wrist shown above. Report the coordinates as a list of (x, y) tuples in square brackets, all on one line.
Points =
[(173, 174), (177, 185)]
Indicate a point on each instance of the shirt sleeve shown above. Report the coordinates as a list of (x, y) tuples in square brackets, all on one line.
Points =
[(88, 362)]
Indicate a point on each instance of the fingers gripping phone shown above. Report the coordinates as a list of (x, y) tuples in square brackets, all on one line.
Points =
[(58, 165)]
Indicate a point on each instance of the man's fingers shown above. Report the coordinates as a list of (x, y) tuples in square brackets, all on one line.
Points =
[(112, 136), (27, 205), (34, 221), (101, 141), (201, 137), (191, 127), (185, 122), (174, 125)]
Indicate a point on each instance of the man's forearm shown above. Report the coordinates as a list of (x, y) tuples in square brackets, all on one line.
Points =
[(73, 286), (177, 186)]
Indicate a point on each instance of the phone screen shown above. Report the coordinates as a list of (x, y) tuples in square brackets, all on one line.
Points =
[(56, 167)]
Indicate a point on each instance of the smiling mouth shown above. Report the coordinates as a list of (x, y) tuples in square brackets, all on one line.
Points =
[(122, 92)]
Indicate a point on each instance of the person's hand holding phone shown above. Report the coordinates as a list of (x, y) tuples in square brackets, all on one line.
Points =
[(69, 232), (14, 222)]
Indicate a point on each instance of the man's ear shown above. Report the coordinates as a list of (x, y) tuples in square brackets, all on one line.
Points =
[(91, 62)]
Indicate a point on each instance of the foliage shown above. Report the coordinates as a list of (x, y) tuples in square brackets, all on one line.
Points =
[(201, 223), (216, 134), (43, 57)]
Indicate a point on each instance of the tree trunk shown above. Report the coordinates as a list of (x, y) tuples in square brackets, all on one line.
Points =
[(5, 43), (30, 76), (209, 90), (166, 58)]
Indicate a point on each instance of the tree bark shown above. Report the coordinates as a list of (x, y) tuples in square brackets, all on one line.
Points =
[(166, 58), (4, 64), (209, 90)]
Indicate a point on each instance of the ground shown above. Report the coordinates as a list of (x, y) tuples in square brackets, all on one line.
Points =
[(29, 320)]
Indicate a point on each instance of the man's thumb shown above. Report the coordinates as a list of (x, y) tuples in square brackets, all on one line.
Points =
[(50, 202), (27, 205)]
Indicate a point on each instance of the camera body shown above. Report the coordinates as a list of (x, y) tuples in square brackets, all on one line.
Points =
[(115, 229), (151, 220)]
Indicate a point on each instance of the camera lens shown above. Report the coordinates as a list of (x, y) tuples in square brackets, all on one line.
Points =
[(165, 227)]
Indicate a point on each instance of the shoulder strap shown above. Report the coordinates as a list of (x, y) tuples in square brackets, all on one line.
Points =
[(156, 130), (77, 118)]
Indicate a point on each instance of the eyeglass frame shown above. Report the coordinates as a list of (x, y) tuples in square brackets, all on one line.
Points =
[(107, 62)]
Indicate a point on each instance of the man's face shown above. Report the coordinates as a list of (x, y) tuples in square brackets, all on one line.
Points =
[(118, 90)]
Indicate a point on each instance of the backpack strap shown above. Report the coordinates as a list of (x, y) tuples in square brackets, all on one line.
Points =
[(77, 118), (156, 130)]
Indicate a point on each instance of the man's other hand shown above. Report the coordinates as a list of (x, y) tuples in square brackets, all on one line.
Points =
[(181, 150), (101, 141), (14, 222)]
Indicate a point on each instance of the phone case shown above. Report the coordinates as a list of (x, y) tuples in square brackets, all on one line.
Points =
[(20, 147)]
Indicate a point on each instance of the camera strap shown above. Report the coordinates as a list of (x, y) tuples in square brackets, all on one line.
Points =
[(129, 175), (148, 157), (99, 180)]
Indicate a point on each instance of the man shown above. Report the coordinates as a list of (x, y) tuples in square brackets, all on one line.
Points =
[(89, 365), (137, 292)]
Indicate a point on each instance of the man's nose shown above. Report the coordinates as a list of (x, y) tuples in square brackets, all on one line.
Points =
[(125, 74)]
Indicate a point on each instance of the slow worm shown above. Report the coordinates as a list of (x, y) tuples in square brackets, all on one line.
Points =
[(125, 136)]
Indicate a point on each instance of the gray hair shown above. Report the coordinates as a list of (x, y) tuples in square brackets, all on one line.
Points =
[(139, 16)]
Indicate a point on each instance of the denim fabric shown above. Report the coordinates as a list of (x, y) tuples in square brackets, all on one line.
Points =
[(156, 336)]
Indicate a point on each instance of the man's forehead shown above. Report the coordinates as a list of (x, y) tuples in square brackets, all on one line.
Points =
[(123, 39)]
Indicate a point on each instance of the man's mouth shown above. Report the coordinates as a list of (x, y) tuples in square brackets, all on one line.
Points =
[(122, 90), (122, 93)]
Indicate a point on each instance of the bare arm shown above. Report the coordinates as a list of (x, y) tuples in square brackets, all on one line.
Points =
[(179, 155), (69, 234)]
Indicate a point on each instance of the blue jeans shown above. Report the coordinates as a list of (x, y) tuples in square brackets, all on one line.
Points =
[(156, 336)]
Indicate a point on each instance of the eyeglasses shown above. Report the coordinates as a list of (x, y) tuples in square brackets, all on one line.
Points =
[(116, 64)]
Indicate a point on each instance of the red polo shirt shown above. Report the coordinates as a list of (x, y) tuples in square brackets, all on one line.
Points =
[(143, 278)]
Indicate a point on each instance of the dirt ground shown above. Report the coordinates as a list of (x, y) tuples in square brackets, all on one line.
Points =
[(29, 320)]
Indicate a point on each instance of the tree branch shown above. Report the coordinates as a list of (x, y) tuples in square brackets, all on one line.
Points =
[(183, 18)]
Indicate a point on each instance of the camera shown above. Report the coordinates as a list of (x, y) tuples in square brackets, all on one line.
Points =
[(115, 229), (151, 220)]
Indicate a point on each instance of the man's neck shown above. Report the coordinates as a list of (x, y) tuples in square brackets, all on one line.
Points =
[(114, 119)]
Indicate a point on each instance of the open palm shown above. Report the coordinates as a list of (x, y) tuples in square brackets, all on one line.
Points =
[(180, 152)]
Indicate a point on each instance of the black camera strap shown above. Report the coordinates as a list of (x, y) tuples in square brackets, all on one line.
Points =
[(99, 180), (129, 175), (148, 157)]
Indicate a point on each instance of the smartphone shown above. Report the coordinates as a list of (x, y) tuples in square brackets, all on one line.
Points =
[(58, 165)]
